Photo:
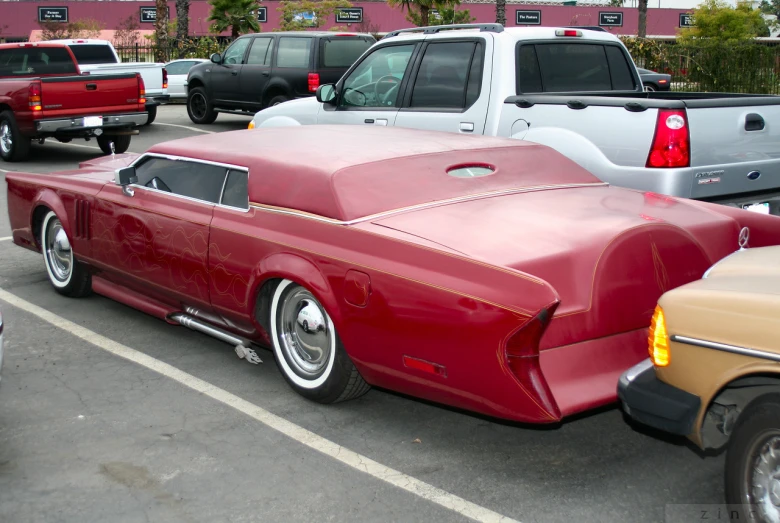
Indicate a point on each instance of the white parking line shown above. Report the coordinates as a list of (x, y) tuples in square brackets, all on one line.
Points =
[(6, 238), (4, 171), (78, 145), (186, 127), (289, 429)]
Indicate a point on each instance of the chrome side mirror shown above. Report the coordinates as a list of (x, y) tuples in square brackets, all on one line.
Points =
[(124, 177)]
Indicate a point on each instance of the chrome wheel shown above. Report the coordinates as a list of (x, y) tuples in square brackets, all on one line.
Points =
[(59, 256), (6, 138), (763, 477), (198, 105), (305, 334)]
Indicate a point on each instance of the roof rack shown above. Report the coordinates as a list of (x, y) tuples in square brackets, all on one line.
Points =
[(433, 29), (588, 27)]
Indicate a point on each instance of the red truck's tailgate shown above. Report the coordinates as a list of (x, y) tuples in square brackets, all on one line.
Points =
[(85, 95)]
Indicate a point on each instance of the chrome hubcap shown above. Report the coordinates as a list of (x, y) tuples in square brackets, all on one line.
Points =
[(58, 251), (305, 334), (198, 104), (764, 478), (6, 140)]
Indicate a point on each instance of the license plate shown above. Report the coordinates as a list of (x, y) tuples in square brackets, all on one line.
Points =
[(761, 208), (93, 121)]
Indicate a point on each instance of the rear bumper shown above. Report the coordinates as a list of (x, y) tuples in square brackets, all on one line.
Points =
[(650, 401), (76, 125), (157, 99)]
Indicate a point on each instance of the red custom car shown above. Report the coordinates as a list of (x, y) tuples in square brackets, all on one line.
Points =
[(489, 274)]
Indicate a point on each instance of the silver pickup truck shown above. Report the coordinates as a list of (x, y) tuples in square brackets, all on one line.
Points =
[(575, 90)]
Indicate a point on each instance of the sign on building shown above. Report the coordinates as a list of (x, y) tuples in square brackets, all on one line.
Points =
[(686, 20), (149, 15), (52, 14), (611, 19), (349, 15), (524, 17)]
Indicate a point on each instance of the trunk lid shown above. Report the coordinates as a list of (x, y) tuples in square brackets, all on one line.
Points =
[(91, 94), (595, 246)]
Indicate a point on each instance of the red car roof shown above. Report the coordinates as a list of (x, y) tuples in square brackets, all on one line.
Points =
[(347, 172)]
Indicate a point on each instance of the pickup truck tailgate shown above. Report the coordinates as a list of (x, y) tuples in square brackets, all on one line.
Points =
[(92, 94), (728, 143)]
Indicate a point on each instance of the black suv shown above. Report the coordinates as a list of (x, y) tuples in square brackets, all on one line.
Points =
[(264, 69)]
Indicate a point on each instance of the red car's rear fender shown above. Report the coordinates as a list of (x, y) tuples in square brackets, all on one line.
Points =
[(49, 199)]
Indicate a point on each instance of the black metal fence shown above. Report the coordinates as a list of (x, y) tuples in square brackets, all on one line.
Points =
[(749, 67), (195, 48)]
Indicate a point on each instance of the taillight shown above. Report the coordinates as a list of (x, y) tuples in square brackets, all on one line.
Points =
[(658, 339), (141, 90), (522, 356), (34, 96), (568, 32), (671, 143), (314, 82), (165, 78)]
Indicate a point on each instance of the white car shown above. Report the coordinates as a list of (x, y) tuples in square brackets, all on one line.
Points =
[(177, 76)]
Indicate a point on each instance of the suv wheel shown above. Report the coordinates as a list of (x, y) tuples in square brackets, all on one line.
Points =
[(199, 107), (276, 100)]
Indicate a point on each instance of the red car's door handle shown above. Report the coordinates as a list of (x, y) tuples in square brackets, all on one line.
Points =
[(91, 87)]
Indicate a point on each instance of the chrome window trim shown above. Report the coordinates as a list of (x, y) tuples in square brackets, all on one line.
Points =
[(734, 349), (422, 206), (222, 194), (227, 166)]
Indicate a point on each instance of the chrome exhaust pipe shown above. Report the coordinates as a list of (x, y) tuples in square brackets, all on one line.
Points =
[(241, 346)]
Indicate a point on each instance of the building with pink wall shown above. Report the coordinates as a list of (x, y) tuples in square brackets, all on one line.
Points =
[(19, 18)]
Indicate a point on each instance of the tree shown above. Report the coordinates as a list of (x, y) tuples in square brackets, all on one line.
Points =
[(419, 11), (238, 16), (717, 20), (447, 14), (182, 23), (770, 7), (161, 31), (126, 34), (501, 12), (292, 18), (641, 31), (85, 28)]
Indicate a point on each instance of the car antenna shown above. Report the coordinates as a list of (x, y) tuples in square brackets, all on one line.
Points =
[(113, 149)]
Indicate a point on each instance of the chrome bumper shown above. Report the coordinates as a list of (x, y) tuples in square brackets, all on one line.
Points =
[(77, 124)]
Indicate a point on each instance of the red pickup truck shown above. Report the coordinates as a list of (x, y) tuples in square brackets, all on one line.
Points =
[(43, 94)]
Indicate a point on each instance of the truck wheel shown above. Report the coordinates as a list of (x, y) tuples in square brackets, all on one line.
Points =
[(313, 361), (199, 107), (13, 146), (66, 274), (121, 143), (152, 111), (276, 100), (753, 461)]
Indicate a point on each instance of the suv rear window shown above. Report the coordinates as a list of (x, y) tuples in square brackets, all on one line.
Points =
[(93, 54), (27, 61), (342, 52), (569, 67)]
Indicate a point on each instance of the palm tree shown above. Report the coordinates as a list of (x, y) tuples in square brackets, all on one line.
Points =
[(424, 6), (642, 29), (182, 24), (240, 16), (501, 12), (161, 31)]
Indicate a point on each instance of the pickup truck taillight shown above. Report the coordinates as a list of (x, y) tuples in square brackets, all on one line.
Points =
[(34, 97), (522, 357), (672, 141), (314, 82), (165, 78), (141, 90)]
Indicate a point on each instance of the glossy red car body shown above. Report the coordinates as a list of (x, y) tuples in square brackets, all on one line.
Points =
[(415, 266)]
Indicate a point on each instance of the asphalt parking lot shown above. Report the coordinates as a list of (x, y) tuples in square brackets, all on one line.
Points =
[(110, 415)]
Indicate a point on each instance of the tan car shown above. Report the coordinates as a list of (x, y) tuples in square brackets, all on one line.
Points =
[(714, 375)]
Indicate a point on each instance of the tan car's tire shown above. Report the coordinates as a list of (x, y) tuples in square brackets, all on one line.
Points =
[(308, 350), (753, 462), (67, 275)]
